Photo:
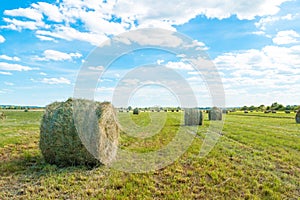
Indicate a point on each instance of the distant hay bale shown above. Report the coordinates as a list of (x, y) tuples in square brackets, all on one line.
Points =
[(287, 111), (298, 117), (267, 111), (2, 116), (136, 111), (246, 111), (215, 114), (193, 117), (62, 143), (273, 111), (225, 111)]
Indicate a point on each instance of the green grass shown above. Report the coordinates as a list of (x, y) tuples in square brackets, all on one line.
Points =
[(257, 157)]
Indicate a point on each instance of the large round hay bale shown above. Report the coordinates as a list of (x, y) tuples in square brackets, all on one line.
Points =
[(65, 144), (215, 114), (298, 117), (193, 117)]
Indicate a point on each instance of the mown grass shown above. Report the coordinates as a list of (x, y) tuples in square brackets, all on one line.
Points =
[(255, 158)]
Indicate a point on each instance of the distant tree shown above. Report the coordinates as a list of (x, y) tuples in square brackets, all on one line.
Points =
[(252, 108), (261, 107), (288, 107), (129, 108), (244, 108), (280, 107)]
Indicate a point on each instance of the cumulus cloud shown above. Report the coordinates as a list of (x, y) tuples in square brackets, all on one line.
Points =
[(56, 81), (5, 57), (269, 20), (70, 34), (2, 39), (57, 56), (270, 68), (14, 67), (286, 37), (51, 11), (15, 24), (29, 13), (101, 19)]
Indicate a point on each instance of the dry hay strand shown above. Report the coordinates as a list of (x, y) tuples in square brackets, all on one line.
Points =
[(193, 117), (298, 117), (215, 114), (91, 141)]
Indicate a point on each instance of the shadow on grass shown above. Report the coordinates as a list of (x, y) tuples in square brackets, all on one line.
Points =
[(34, 166)]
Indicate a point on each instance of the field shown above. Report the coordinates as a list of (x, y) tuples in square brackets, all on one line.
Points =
[(257, 157)]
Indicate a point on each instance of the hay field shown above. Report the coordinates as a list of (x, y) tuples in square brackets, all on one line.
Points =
[(257, 157)]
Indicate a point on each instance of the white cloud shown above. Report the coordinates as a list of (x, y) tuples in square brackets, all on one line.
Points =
[(98, 68), (271, 68), (43, 74), (70, 34), (101, 19), (14, 67), (269, 20), (45, 38), (57, 56), (286, 37), (179, 65), (25, 12), (9, 83), (5, 73), (2, 39), (51, 11), (55, 81), (5, 57), (15, 24), (159, 61)]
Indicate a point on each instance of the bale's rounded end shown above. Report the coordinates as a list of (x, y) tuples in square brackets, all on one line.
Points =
[(215, 114), (61, 141), (298, 117)]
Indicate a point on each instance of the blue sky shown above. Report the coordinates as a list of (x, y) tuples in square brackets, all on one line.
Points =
[(255, 45)]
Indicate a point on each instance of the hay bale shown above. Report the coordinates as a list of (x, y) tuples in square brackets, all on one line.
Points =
[(62, 143), (246, 111), (2, 116), (136, 111), (267, 111), (298, 117), (225, 111), (193, 117), (273, 111), (215, 114)]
